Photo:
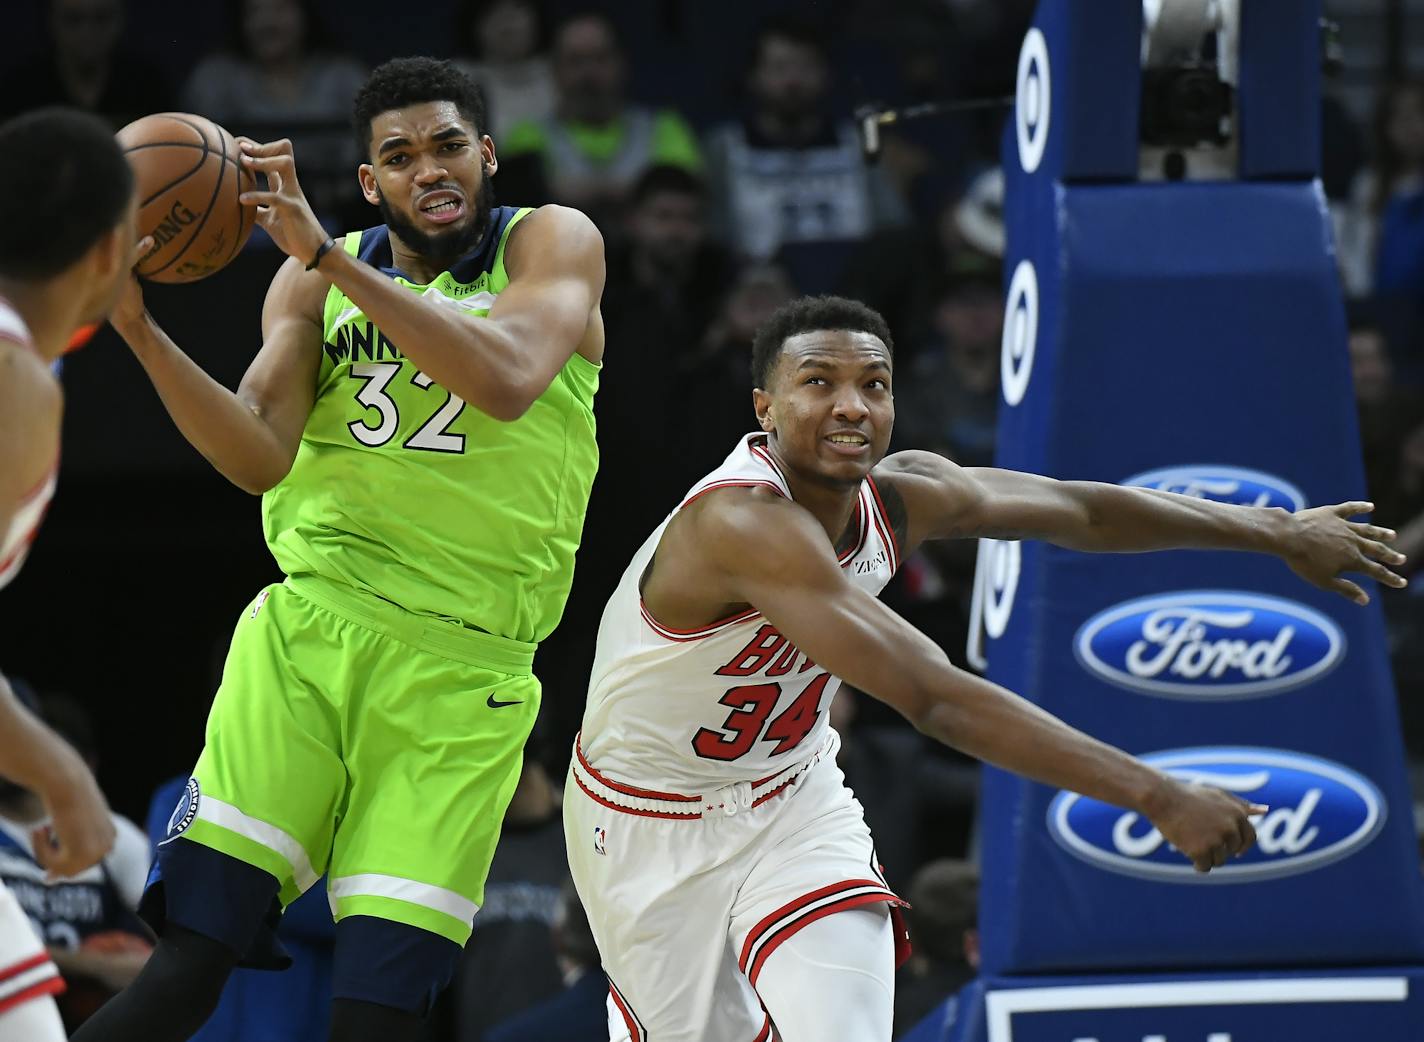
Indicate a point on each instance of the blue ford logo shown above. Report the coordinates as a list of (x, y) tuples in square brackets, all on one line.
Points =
[(1319, 813), (1209, 644), (1223, 484)]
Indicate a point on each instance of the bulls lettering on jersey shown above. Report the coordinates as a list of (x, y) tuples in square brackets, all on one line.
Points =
[(691, 710)]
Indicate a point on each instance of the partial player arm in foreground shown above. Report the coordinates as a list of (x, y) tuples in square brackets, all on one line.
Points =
[(946, 501), (35, 757), (251, 436), (30, 412), (499, 364), (774, 556)]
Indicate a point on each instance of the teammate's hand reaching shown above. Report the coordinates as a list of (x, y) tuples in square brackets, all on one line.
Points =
[(1322, 543), (282, 210), (81, 829), (129, 306), (1208, 825)]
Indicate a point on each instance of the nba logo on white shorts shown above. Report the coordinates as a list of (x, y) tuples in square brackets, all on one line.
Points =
[(599, 835)]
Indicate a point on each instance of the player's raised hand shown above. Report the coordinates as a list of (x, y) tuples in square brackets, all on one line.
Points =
[(1322, 544), (1208, 825), (282, 210), (81, 830)]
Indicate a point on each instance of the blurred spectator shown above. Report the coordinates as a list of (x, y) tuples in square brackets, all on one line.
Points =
[(88, 920), (948, 396), (260, 1005), (908, 788), (901, 271), (579, 1013), (279, 76), (1387, 411), (507, 39), (943, 919), (1381, 231), (86, 67), (789, 172), (592, 151), (510, 963)]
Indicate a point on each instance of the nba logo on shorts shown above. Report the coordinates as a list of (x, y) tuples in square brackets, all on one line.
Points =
[(599, 835)]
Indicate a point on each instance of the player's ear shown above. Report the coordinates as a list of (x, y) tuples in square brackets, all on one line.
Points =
[(761, 402), (366, 175), (487, 157)]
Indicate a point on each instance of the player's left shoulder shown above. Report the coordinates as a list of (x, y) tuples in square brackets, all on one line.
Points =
[(916, 472), (927, 490), (554, 231)]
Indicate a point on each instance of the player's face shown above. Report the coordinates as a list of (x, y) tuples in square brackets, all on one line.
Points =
[(430, 174), (829, 406)]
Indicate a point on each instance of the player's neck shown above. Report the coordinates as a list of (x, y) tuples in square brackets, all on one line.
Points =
[(831, 503), (47, 313)]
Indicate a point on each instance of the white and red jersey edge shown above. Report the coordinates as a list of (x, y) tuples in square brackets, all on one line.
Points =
[(678, 712)]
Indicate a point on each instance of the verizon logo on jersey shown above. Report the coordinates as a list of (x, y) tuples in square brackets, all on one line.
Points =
[(768, 644)]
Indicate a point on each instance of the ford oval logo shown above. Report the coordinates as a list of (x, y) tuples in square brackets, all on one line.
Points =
[(1223, 484), (1206, 644), (1319, 813)]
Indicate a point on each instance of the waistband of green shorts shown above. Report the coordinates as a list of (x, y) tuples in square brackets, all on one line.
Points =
[(437, 636)]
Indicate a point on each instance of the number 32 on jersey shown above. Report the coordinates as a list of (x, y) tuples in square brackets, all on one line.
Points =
[(434, 434)]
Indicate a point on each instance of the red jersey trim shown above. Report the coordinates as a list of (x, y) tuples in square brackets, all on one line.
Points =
[(24, 966), (887, 530), (51, 986), (776, 928), (669, 633), (630, 790)]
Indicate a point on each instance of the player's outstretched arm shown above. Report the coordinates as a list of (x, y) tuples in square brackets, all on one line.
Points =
[(945, 501), (774, 556), (251, 436), (81, 829)]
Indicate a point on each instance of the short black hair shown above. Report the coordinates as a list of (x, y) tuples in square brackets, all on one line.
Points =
[(66, 183), (809, 315), (664, 177), (412, 81)]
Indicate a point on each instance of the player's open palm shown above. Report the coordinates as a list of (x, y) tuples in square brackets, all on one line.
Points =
[(81, 829), (1322, 544), (282, 210), (1208, 825)]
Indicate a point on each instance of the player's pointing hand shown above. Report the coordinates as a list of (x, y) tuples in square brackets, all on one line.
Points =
[(1208, 825), (1322, 544), (282, 209)]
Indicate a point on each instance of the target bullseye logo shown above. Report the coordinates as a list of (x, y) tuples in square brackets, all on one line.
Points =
[(1033, 100), (1020, 332), (1000, 561)]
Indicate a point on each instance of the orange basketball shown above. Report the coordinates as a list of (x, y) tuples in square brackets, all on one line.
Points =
[(189, 179)]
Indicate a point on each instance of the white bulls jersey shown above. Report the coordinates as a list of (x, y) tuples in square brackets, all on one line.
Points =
[(16, 538), (690, 711)]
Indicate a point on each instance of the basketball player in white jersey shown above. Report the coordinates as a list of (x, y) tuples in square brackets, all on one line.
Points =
[(728, 874), (66, 247)]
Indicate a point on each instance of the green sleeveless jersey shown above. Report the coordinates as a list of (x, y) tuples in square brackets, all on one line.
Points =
[(402, 490)]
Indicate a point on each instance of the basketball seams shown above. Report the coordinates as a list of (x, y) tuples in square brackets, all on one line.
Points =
[(223, 138), (208, 210)]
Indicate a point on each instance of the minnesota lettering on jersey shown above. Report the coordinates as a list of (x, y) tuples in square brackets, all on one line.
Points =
[(769, 655), (355, 341)]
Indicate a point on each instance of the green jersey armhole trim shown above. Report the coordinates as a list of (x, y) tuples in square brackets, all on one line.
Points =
[(497, 272), (351, 243)]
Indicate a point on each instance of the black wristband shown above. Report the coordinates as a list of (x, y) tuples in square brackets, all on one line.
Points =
[(321, 252)]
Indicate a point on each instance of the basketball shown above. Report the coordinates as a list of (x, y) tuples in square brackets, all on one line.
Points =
[(188, 181)]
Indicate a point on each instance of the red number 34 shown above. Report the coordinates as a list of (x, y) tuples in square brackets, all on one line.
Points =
[(751, 705)]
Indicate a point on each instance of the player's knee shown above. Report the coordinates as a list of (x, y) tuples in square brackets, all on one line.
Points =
[(391, 964)]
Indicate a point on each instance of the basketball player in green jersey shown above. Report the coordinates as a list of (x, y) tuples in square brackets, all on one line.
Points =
[(419, 421)]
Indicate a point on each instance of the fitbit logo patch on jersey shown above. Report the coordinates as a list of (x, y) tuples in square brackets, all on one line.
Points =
[(1209, 644), (1220, 484), (1320, 812), (185, 812)]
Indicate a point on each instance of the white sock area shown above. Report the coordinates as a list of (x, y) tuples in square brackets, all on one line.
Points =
[(34, 1021), (834, 979)]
